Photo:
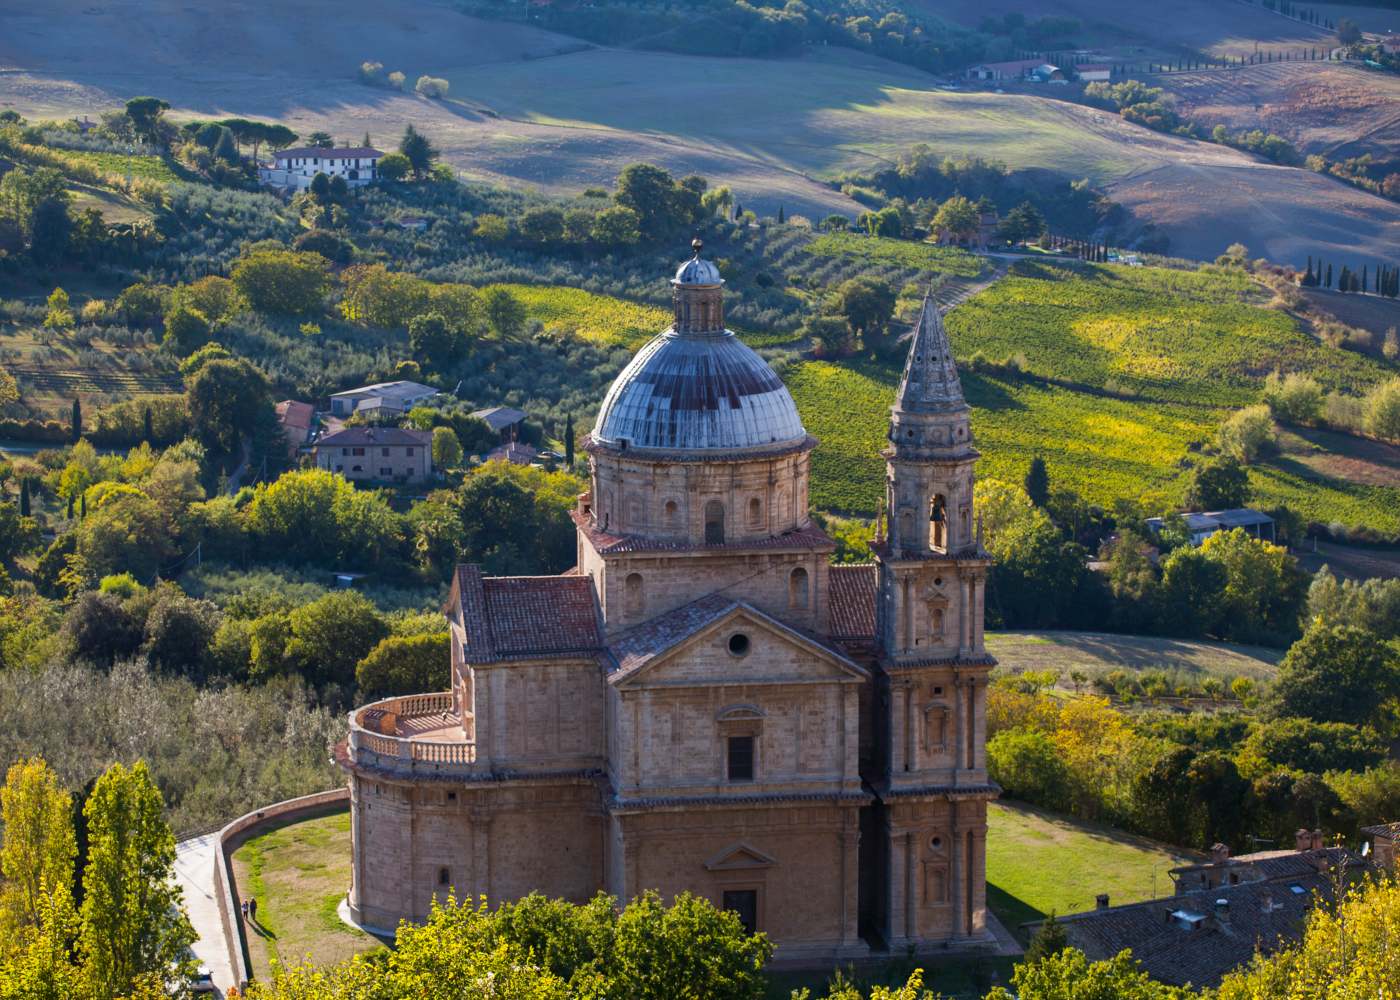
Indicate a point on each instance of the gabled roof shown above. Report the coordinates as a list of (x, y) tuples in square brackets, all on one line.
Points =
[(377, 436), (391, 390), (337, 153), (498, 418), (1382, 830), (641, 647), (291, 413), (526, 617), (851, 601)]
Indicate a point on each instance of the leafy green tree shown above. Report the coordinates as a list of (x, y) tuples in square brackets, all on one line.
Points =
[(1071, 976), (23, 190), (37, 853), (1305, 745), (434, 342), (1191, 594), (98, 628), (1029, 766), (142, 304), (146, 114), (1264, 588), (50, 232), (314, 516), (186, 329), (179, 632), (394, 167), (1048, 940), (227, 398), (867, 305), (617, 226), (543, 224), (956, 218), (1220, 484), (651, 193), (1294, 399), (127, 534), (59, 314), (1023, 223), (330, 636), (133, 918), (320, 140), (447, 450), (504, 311), (1336, 673), (405, 665), (283, 282), (1383, 410), (418, 150), (1248, 434), (1216, 791)]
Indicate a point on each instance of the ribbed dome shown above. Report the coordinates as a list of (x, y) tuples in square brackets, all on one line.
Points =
[(697, 272), (698, 392)]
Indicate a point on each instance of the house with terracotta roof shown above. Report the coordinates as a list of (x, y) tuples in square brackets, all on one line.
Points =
[(294, 169), (380, 454), (703, 703), (296, 420)]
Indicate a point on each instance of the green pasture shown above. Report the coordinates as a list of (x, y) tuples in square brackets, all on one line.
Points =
[(299, 873), (1151, 333), (1040, 862), (1097, 653), (152, 168), (901, 253)]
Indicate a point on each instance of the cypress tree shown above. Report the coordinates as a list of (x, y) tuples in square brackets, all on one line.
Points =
[(782, 216), (1344, 279), (70, 507), (147, 427), (77, 430), (1364, 282), (24, 497), (569, 441), (1308, 277), (1328, 283), (82, 505)]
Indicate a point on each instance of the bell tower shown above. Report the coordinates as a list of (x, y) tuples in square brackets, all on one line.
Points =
[(930, 711)]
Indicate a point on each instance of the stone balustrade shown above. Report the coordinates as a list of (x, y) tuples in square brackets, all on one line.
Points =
[(409, 755)]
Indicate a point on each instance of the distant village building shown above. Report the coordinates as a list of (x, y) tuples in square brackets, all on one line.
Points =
[(294, 169), (383, 454), (1000, 72), (705, 703), (1391, 44), (392, 397), (1221, 912), (296, 420), (513, 452), (1094, 72), (1202, 526), (1382, 840), (504, 421)]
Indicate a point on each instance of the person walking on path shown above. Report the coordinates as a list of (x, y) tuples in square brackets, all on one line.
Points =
[(244, 908), (253, 908)]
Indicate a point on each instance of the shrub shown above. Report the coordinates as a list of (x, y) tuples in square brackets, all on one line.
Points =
[(1293, 399), (431, 86), (1247, 434), (1383, 410), (406, 665)]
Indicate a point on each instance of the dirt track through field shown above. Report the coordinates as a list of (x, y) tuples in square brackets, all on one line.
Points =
[(527, 107)]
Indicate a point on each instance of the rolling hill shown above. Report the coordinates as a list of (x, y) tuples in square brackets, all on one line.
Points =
[(530, 107)]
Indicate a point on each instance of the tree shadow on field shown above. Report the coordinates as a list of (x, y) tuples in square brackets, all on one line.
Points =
[(986, 393), (1012, 912)]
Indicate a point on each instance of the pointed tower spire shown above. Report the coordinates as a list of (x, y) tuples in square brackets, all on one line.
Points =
[(930, 383)]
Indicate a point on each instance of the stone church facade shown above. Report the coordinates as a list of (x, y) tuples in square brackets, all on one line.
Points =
[(705, 702)]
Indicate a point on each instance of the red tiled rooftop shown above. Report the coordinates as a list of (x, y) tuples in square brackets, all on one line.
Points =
[(524, 617), (852, 601)]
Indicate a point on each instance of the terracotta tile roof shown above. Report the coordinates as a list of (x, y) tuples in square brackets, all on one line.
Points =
[(294, 414), (327, 153), (638, 646), (526, 617), (852, 601), (807, 537)]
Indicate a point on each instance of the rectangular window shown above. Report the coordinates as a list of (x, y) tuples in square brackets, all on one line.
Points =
[(744, 904), (741, 758), (357, 452), (384, 452), (385, 471), (411, 452)]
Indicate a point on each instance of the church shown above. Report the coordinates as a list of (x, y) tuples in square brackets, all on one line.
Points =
[(706, 703)]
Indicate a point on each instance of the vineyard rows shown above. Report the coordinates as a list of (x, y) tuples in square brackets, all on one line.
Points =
[(66, 381)]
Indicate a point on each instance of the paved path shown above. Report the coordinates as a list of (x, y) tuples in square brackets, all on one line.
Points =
[(194, 870)]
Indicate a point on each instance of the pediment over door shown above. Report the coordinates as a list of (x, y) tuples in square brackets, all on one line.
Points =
[(739, 857)]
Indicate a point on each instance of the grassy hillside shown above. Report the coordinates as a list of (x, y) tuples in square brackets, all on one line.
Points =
[(1129, 370), (1039, 862), (1097, 653)]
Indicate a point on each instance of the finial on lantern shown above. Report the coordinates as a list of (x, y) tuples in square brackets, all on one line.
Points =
[(697, 245)]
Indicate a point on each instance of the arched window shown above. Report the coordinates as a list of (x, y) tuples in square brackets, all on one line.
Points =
[(797, 588), (935, 621), (938, 521), (714, 523), (673, 514), (634, 599), (755, 513)]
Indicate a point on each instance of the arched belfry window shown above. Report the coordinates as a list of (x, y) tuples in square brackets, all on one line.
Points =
[(714, 523), (634, 598), (797, 588), (938, 522), (755, 513)]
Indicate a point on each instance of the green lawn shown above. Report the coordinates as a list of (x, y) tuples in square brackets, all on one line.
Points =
[(152, 168), (299, 873), (903, 253), (1096, 653), (1039, 862)]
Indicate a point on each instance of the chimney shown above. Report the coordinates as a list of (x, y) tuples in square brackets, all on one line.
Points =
[(1317, 840), (1219, 854), (1302, 840), (1101, 901)]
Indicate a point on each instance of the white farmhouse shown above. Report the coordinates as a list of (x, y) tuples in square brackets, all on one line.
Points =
[(295, 168)]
